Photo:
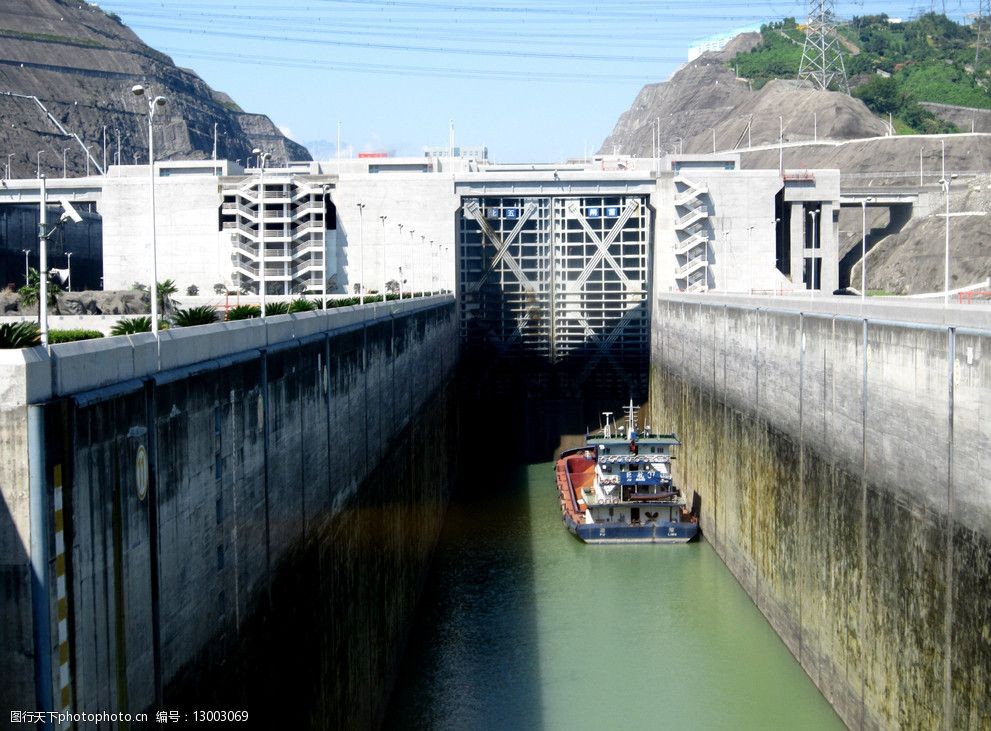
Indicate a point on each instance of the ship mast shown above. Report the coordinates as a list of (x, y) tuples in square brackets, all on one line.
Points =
[(631, 417)]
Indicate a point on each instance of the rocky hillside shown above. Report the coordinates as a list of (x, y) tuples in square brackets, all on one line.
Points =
[(706, 95), (706, 98), (81, 63)]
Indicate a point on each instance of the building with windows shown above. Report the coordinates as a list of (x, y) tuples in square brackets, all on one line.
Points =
[(559, 261), (479, 153)]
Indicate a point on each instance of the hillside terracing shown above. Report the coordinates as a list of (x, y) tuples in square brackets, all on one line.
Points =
[(705, 100), (81, 64), (705, 96)]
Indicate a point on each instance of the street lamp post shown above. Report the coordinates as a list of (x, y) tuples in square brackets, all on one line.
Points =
[(433, 267), (104, 149), (69, 283), (25, 266), (813, 215), (863, 249), (117, 158), (64, 151), (945, 183), (324, 198), (153, 104), (921, 150), (402, 260), (781, 145), (384, 268), (262, 158), (361, 253), (43, 261), (9, 156), (412, 260), (750, 261), (38, 170)]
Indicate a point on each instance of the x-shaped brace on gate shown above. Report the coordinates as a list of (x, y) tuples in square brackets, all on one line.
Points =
[(472, 210), (603, 244)]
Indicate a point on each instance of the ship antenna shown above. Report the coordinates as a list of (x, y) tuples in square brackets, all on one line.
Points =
[(607, 431)]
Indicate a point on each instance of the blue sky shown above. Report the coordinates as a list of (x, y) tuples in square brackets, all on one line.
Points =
[(534, 81)]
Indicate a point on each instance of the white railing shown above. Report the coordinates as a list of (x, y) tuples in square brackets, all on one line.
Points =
[(690, 266), (696, 214), (697, 239)]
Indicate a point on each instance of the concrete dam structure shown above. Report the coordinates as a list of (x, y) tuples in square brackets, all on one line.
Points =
[(842, 465), (237, 517)]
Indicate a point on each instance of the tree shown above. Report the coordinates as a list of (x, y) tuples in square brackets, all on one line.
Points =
[(392, 286), (192, 290), (220, 288), (31, 291), (166, 303), (880, 94)]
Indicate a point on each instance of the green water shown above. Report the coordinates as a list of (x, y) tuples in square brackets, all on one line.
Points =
[(524, 627)]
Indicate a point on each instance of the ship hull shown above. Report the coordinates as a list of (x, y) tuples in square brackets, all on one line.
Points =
[(609, 533), (613, 533)]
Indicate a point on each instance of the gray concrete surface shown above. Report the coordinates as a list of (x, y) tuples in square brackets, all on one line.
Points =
[(269, 443), (841, 455)]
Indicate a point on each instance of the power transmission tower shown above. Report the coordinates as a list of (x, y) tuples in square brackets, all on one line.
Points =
[(983, 16), (822, 56)]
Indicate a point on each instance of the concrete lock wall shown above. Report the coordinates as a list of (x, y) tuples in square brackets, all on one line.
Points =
[(842, 467), (270, 556)]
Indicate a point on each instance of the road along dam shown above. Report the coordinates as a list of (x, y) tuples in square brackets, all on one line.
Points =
[(237, 516), (841, 458)]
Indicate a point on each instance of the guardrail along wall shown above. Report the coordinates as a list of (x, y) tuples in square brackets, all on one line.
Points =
[(245, 527), (842, 466)]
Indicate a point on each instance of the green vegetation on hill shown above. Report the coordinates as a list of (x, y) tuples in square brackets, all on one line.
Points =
[(899, 64)]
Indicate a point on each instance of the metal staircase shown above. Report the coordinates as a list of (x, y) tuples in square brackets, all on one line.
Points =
[(692, 247)]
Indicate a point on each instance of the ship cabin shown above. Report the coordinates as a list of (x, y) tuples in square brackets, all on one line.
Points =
[(633, 482)]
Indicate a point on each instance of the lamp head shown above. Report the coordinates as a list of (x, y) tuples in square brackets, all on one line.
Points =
[(69, 213), (138, 90), (159, 101)]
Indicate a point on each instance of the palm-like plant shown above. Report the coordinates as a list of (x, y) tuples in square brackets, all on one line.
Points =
[(301, 305), (166, 303), (243, 312), (203, 315), (19, 335), (277, 308), (31, 292), (132, 325)]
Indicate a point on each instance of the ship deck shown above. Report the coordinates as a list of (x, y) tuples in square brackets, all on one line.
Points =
[(574, 472)]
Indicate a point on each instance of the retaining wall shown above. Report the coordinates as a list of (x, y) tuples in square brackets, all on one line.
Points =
[(843, 464), (269, 556)]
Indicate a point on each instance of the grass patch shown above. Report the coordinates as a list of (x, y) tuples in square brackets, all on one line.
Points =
[(50, 38)]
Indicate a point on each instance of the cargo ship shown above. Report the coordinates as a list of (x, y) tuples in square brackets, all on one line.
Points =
[(618, 487)]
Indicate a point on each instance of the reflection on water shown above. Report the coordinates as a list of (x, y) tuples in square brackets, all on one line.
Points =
[(524, 627)]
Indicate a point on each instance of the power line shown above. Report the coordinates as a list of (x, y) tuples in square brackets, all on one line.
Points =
[(402, 70), (414, 49)]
